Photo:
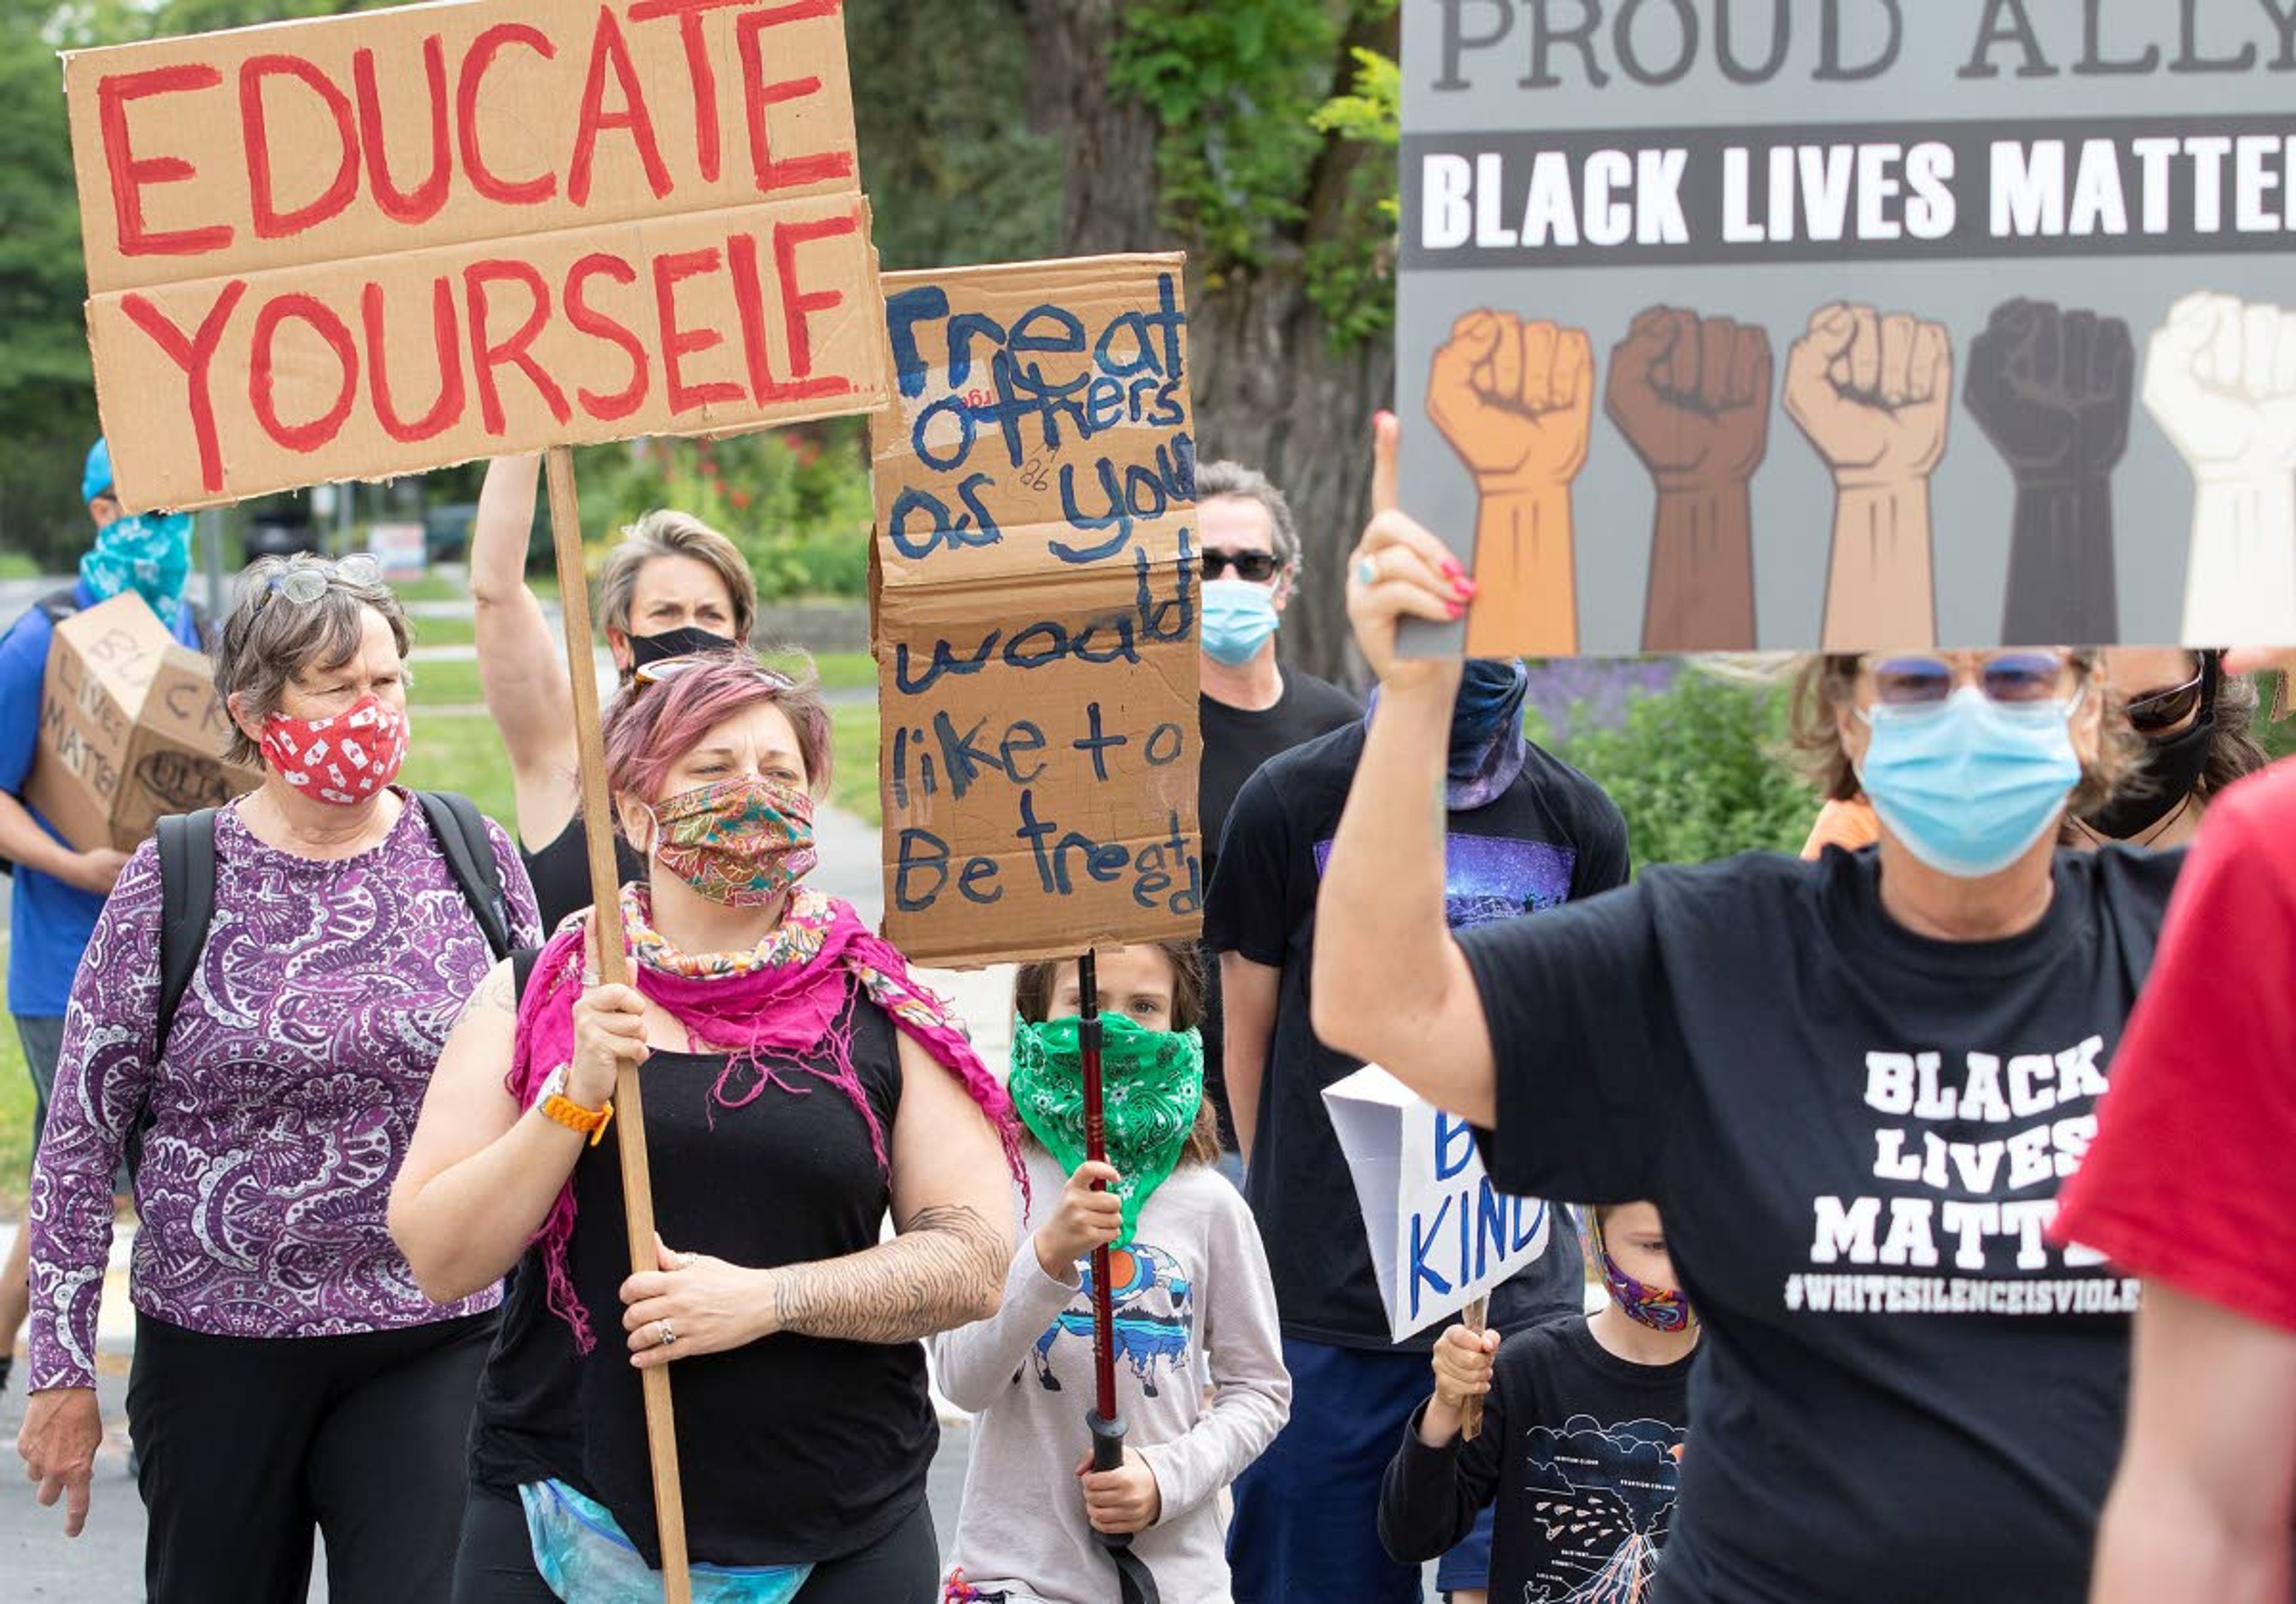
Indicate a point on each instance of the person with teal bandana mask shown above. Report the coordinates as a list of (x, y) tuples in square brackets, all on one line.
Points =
[(1250, 707), (59, 890), (1190, 1291), (1856, 1085)]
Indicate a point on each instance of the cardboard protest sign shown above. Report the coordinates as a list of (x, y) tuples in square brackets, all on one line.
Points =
[(381, 243), (1857, 323), (1034, 610), (1440, 1234), (130, 729)]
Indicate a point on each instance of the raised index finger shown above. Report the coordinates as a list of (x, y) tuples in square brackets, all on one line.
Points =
[(1386, 429)]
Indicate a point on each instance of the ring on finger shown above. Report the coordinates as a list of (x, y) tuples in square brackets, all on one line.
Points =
[(1367, 570), (661, 1329), (686, 1259)]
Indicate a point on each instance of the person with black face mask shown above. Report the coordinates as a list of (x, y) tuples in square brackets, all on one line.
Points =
[(1524, 833), (2191, 722), (674, 587)]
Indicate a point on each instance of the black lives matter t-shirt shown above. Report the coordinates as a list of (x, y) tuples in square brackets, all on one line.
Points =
[(1237, 741), (1580, 1458), (1552, 837), (1856, 1136)]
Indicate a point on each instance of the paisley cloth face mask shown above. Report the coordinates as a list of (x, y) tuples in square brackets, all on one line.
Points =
[(1153, 1082), (739, 843)]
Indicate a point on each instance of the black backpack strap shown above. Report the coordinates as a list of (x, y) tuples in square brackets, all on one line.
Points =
[(187, 883), (522, 970), (462, 833)]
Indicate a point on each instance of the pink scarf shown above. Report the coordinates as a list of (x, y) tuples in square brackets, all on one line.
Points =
[(771, 1010)]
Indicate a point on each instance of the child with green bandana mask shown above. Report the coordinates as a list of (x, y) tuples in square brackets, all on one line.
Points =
[(1191, 1295)]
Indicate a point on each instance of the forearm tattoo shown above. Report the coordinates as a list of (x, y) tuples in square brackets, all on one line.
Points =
[(946, 1268)]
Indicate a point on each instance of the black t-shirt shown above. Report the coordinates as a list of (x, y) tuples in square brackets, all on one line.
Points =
[(560, 872), (1580, 1450), (1235, 742), (792, 1449), (1551, 836), (1855, 1135)]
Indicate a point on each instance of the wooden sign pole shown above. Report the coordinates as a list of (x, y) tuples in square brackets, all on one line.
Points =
[(1471, 1412), (613, 959)]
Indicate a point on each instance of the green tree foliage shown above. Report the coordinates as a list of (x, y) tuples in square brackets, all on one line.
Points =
[(1250, 109), (1697, 770)]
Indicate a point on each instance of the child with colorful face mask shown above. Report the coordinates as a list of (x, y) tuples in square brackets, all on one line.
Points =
[(1582, 1436), (1191, 1292)]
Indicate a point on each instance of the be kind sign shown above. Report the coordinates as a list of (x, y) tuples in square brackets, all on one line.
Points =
[(1440, 1234), (371, 245)]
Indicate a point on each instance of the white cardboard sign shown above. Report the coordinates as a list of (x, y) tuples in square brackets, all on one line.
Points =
[(1440, 1234)]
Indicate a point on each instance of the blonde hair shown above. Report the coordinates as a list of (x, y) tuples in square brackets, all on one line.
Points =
[(666, 532)]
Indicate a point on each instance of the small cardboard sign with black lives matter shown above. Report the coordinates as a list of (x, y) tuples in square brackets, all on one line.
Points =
[(371, 245), (1034, 610), (1852, 324), (130, 729)]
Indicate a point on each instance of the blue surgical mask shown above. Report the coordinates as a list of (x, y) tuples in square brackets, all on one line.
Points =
[(1238, 616), (1971, 786)]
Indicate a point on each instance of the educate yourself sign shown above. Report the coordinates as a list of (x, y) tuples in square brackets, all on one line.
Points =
[(1865, 324), (1440, 1234), (371, 245), (1034, 589)]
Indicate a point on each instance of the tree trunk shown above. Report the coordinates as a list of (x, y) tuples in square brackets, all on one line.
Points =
[(1268, 389)]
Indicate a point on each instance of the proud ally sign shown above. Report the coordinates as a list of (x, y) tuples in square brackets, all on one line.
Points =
[(1853, 323), (1034, 588), (376, 243)]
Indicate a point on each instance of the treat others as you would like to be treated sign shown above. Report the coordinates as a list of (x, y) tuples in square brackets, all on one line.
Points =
[(1865, 324), (1441, 1235), (1033, 590), (376, 243)]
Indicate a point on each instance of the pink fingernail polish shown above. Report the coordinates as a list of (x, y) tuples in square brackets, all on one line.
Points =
[(1456, 609)]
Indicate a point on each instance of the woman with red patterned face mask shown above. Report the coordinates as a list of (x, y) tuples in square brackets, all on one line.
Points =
[(800, 1091), (286, 1363)]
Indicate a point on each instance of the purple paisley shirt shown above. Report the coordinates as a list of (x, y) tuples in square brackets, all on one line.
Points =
[(292, 1078)]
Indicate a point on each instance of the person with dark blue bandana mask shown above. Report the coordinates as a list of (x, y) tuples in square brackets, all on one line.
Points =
[(1524, 833), (1855, 1086), (1249, 705), (59, 890)]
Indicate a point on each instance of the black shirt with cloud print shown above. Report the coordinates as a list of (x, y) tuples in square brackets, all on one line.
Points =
[(1855, 1135)]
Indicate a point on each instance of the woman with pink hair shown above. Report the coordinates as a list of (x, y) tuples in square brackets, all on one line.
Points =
[(801, 1087)]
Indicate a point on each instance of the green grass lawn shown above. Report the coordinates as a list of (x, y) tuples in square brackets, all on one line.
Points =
[(853, 761), (15, 1115), (846, 670), (463, 752), (451, 683), (444, 631)]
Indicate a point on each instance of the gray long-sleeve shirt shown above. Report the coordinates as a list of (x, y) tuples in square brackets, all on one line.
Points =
[(1191, 1287)]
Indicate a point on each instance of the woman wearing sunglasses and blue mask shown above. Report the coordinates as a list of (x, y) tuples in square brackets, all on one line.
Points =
[(1854, 1086)]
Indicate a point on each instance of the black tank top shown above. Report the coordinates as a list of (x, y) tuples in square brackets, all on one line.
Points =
[(560, 872), (793, 1449)]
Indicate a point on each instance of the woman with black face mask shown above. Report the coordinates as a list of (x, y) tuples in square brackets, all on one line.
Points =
[(673, 587), (2191, 722)]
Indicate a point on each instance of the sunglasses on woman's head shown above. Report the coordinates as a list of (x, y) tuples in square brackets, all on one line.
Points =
[(671, 668), (2159, 712), (2010, 678), (1258, 566), (306, 583)]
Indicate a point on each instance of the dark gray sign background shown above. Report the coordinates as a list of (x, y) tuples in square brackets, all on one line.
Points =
[(1792, 494)]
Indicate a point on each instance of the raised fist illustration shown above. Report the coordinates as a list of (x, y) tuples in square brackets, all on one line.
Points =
[(1691, 395), (1873, 392), (2051, 390), (2220, 379), (1514, 397)]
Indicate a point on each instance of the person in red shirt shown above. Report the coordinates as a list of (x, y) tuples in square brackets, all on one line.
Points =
[(2190, 1186)]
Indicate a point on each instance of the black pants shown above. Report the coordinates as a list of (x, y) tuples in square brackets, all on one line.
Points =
[(245, 1444), (496, 1564)]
